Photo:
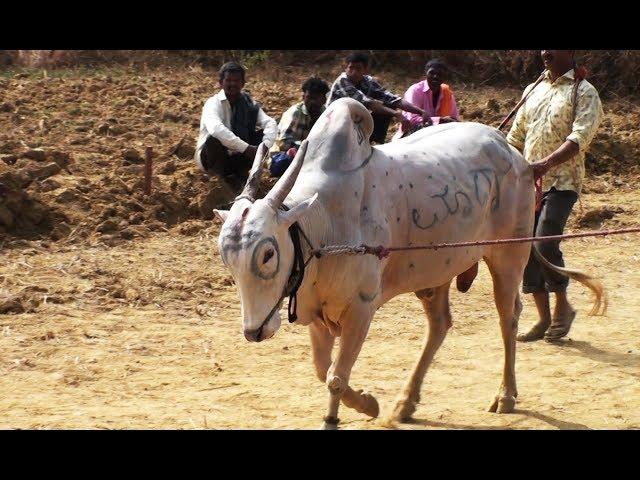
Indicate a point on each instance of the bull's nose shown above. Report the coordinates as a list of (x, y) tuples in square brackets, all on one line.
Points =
[(253, 335)]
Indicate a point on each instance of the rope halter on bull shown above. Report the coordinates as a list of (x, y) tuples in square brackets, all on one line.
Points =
[(275, 198)]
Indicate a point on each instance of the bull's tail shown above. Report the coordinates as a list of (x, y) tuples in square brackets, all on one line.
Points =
[(600, 303)]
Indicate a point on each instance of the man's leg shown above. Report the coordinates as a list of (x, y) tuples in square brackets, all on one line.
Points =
[(239, 164), (214, 159), (533, 283), (380, 128), (552, 222), (238, 170)]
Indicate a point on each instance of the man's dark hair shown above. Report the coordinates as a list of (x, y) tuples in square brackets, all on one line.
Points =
[(359, 57), (435, 63), (315, 85), (231, 67)]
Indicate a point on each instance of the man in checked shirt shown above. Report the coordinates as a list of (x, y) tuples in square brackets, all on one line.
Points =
[(384, 105), (553, 134), (296, 123)]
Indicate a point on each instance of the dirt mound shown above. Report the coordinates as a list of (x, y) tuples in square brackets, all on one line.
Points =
[(22, 213), (596, 217), (72, 147)]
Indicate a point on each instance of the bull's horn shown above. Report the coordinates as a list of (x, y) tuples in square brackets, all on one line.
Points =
[(251, 187), (282, 188)]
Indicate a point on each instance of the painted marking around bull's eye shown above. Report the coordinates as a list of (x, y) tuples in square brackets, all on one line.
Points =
[(259, 270)]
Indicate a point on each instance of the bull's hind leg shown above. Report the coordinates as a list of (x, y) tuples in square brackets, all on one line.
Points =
[(436, 305), (506, 266)]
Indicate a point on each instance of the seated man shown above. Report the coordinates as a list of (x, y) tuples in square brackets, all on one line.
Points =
[(228, 129), (296, 124), (431, 95), (355, 83)]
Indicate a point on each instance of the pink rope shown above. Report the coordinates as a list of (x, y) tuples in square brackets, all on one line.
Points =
[(383, 252)]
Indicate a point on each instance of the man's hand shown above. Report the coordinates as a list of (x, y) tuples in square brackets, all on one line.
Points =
[(250, 152), (291, 153), (376, 106), (402, 120), (447, 119), (540, 168), (426, 120)]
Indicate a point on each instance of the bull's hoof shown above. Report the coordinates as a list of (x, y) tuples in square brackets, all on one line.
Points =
[(403, 411), (506, 404), (330, 423), (371, 407), (503, 404)]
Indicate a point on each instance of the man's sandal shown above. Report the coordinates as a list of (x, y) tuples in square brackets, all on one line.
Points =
[(536, 333), (560, 327)]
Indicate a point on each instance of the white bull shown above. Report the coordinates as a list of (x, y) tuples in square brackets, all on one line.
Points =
[(449, 183)]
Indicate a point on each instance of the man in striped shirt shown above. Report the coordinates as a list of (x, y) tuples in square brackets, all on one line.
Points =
[(384, 105)]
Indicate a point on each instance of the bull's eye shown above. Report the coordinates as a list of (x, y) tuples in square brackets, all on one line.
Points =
[(268, 255), (263, 264)]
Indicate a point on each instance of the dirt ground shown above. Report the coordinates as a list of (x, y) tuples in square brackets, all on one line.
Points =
[(116, 311)]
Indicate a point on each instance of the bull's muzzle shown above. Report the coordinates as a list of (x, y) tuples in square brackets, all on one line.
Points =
[(254, 335)]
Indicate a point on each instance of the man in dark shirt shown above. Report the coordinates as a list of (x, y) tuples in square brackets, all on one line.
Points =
[(384, 105)]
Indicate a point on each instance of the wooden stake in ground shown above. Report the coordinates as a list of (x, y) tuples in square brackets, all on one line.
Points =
[(148, 169)]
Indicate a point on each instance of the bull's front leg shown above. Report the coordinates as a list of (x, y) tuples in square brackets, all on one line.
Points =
[(355, 326), (322, 344)]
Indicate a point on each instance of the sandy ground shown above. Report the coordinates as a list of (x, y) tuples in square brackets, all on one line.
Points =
[(116, 312), (148, 335)]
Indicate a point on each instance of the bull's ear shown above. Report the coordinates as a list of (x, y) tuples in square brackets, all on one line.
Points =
[(221, 215), (297, 212)]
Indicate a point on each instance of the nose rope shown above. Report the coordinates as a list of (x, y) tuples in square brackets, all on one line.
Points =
[(295, 277)]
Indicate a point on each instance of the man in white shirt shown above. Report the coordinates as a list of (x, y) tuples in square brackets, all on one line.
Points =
[(230, 128)]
